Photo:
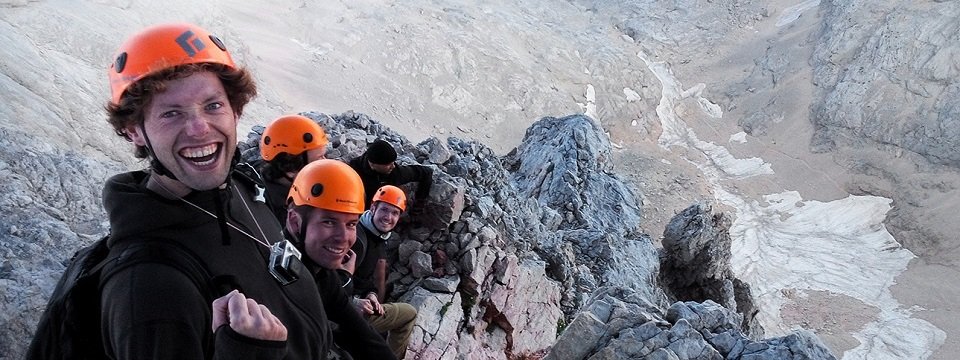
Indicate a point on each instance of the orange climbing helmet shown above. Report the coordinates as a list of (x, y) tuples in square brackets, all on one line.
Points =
[(291, 134), (391, 195), (330, 185), (161, 47)]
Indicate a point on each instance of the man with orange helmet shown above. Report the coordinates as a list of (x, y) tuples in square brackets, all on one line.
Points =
[(370, 274), (378, 167), (288, 143), (325, 203), (177, 95)]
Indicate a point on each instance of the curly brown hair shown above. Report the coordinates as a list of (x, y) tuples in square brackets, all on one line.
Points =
[(238, 84)]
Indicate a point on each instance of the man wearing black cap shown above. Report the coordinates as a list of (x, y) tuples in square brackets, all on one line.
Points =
[(377, 167)]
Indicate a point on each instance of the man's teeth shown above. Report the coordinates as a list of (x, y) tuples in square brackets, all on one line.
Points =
[(197, 154), (199, 151), (334, 250)]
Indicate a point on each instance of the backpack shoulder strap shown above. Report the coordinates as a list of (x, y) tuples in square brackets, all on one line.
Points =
[(163, 252), (173, 254)]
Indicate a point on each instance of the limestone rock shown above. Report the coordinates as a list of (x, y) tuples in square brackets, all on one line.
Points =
[(696, 263), (693, 331), (564, 163)]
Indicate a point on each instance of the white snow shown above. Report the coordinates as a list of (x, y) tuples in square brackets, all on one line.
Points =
[(793, 13), (677, 133), (631, 95), (740, 137), (590, 107)]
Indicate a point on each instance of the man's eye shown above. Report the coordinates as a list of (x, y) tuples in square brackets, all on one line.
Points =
[(169, 114), (215, 106), (352, 225)]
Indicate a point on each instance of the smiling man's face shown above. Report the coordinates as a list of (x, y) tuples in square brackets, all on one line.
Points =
[(329, 235), (192, 130)]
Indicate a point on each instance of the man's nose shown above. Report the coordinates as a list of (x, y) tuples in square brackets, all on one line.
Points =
[(341, 234), (198, 123)]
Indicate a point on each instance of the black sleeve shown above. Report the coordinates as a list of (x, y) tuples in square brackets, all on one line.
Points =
[(421, 174), (153, 311), (355, 335), (363, 283), (236, 346), (357, 164)]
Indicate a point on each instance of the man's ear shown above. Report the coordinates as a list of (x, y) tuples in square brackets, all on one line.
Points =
[(293, 221), (135, 133)]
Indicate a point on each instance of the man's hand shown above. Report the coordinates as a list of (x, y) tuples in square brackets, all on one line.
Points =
[(247, 318), (349, 262), (372, 305)]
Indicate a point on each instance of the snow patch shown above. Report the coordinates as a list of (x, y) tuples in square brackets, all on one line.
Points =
[(839, 246), (590, 107), (793, 13), (677, 133), (631, 95), (740, 137)]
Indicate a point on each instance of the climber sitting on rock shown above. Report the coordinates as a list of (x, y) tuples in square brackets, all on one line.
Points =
[(288, 144), (325, 203), (370, 274), (377, 167)]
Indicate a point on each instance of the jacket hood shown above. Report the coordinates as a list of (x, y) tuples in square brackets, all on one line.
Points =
[(133, 209), (366, 220)]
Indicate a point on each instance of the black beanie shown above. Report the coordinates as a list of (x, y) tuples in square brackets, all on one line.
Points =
[(381, 153)]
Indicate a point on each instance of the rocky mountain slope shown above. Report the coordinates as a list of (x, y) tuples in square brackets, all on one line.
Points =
[(824, 130), (539, 253)]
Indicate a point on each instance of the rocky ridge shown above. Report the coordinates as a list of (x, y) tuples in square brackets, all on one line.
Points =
[(539, 254)]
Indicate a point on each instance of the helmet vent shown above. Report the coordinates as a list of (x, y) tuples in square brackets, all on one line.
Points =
[(266, 140), (218, 43), (307, 138), (120, 63), (316, 190)]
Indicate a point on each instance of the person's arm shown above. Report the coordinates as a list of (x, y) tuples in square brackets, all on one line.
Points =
[(153, 311), (239, 320), (355, 335), (363, 277), (421, 174), (380, 278)]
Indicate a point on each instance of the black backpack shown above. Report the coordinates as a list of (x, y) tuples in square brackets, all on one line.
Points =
[(70, 326)]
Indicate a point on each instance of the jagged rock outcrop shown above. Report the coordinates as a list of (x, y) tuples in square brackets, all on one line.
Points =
[(525, 244), (476, 292), (695, 264), (611, 328), (565, 165)]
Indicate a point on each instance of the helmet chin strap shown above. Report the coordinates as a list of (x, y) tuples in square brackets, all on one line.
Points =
[(155, 163), (297, 239)]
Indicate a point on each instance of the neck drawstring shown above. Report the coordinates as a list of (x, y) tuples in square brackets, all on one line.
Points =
[(221, 212), (221, 219)]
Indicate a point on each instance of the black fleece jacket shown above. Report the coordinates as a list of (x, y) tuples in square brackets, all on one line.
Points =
[(369, 248), (401, 174), (153, 311), (355, 334)]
